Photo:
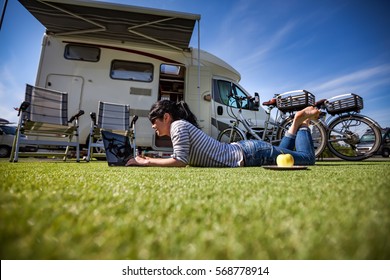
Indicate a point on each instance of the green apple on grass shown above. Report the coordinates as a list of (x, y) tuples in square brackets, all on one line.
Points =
[(285, 160)]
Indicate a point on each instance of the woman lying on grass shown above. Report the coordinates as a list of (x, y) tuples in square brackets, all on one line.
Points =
[(191, 146)]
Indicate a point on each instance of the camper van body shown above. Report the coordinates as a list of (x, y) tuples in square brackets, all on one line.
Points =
[(94, 69)]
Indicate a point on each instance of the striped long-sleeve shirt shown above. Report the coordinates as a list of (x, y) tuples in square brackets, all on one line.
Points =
[(194, 147)]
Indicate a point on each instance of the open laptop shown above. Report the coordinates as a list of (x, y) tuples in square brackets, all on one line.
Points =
[(117, 147)]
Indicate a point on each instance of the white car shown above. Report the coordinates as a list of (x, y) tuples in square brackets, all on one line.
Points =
[(367, 140), (7, 134)]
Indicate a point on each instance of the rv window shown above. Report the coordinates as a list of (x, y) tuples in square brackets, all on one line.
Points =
[(133, 71), (226, 88), (168, 69), (84, 53), (244, 102)]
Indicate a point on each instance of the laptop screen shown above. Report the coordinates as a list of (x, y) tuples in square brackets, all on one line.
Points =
[(117, 147)]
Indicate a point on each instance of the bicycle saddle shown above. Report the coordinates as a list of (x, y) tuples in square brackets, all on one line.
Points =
[(271, 102), (319, 103)]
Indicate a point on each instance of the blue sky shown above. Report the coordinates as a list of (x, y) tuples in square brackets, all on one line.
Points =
[(327, 47)]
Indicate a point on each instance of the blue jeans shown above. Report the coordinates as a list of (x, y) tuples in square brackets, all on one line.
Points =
[(257, 152)]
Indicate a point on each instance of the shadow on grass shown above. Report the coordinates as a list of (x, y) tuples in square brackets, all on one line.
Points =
[(343, 163)]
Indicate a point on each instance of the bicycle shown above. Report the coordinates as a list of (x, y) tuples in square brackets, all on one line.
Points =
[(345, 129), (286, 103)]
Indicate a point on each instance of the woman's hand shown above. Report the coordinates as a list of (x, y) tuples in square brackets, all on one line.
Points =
[(148, 161), (138, 161)]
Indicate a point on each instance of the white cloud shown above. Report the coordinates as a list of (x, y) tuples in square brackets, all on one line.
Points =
[(11, 93), (363, 77), (370, 83), (271, 43)]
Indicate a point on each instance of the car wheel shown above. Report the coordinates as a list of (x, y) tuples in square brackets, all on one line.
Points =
[(5, 151), (385, 153)]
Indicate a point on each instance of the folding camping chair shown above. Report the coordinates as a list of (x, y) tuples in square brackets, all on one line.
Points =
[(43, 118), (112, 117)]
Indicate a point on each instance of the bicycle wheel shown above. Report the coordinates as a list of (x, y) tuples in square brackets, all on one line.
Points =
[(318, 134), (230, 135), (353, 137)]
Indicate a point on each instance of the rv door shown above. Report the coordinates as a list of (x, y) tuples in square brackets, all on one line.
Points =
[(70, 84)]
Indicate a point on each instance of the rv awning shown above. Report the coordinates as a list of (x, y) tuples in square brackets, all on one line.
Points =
[(92, 19)]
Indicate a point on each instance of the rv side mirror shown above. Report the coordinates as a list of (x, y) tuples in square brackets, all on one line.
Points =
[(255, 102)]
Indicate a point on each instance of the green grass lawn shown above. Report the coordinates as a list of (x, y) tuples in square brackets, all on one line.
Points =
[(69, 210)]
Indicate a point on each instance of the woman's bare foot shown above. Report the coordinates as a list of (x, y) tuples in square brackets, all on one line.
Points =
[(304, 117), (311, 113)]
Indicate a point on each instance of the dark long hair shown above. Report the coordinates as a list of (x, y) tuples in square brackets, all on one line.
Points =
[(178, 111)]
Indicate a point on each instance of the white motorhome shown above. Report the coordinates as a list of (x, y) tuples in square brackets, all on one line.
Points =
[(99, 51)]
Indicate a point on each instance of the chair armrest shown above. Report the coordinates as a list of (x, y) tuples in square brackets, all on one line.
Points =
[(76, 116), (93, 117), (133, 121), (23, 107)]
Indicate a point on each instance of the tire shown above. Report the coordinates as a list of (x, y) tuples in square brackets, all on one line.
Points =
[(344, 136), (5, 151), (318, 133), (230, 135)]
